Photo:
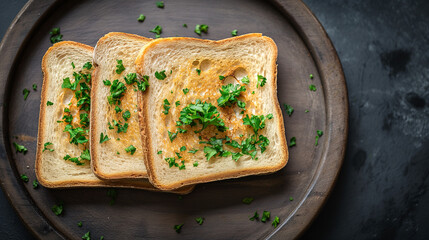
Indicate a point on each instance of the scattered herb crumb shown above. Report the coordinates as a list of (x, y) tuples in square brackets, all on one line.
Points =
[(24, 178), (35, 184), (178, 228), (25, 92), (276, 221), (198, 71), (247, 200), (159, 152), (289, 109), (49, 103), (265, 216), (200, 220), (35, 87), (201, 28), (86, 236), (160, 4), (20, 148), (312, 87), (254, 217), (185, 25), (291, 199), (319, 134), (58, 209), (141, 18), (311, 76), (306, 111), (234, 32), (55, 35), (79, 224), (292, 142)]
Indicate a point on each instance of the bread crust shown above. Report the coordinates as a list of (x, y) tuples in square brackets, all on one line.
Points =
[(145, 128), (94, 126), (137, 184)]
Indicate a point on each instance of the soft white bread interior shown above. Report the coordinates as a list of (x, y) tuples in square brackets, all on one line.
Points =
[(194, 66)]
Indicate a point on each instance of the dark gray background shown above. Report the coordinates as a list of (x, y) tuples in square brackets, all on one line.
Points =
[(381, 192)]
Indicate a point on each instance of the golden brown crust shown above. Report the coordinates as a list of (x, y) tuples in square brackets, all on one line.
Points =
[(145, 128), (94, 126), (138, 184)]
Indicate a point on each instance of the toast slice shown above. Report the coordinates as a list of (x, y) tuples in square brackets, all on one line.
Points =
[(211, 111), (110, 160), (62, 121)]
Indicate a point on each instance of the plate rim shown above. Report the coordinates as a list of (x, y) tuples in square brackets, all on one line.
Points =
[(319, 45)]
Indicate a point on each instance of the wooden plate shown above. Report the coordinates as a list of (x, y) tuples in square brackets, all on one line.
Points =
[(304, 49)]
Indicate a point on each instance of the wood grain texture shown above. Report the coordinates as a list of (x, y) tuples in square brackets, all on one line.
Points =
[(304, 49)]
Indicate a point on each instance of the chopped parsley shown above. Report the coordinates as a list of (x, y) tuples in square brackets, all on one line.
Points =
[(230, 93), (172, 136), (68, 84), (204, 113), (113, 195), (193, 151), (160, 75), (261, 81), (86, 236), (118, 109), (265, 216), (256, 122), (276, 221), (201, 28), (245, 80), (234, 32), (178, 228), (181, 167), (160, 4), (221, 77), (55, 35), (35, 87), (20, 148), (319, 134), (79, 224), (143, 84), (35, 184), (121, 128), (107, 82), (84, 120), (157, 30), (254, 217), (103, 138), (45, 147), (25, 92), (117, 90), (289, 109), (74, 160), (183, 148), (215, 148), (131, 149), (198, 71), (291, 199), (306, 111), (141, 18), (130, 78), (73, 65), (119, 67), (312, 87), (87, 65), (166, 106), (185, 25), (159, 152), (85, 155), (185, 90), (200, 220), (126, 115), (292, 142), (49, 103), (24, 178), (247, 200), (241, 104), (195, 164), (171, 162), (311, 76), (58, 209), (177, 103), (77, 135)]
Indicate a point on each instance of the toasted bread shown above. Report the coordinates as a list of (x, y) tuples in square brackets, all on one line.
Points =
[(110, 159), (193, 69), (52, 170)]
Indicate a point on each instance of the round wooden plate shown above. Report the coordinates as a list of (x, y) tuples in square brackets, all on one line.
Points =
[(304, 49)]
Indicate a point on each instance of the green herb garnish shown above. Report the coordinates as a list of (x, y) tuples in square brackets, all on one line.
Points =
[(193, 151), (79, 224), (289, 109), (276, 221), (24, 178), (45, 147), (198, 71), (87, 65), (157, 30), (203, 113), (183, 148), (200, 220), (195, 164), (117, 90), (35, 87), (185, 90), (20, 148), (311, 76), (107, 82), (126, 115), (312, 88), (160, 75), (177, 103), (261, 81), (230, 93), (131, 149), (35, 184), (166, 106), (319, 134), (73, 65), (25, 92), (254, 217), (159, 152), (86, 236), (84, 120), (247, 200), (245, 80), (265, 216), (49, 103), (104, 138), (172, 136), (234, 32), (292, 142), (291, 199), (201, 28), (130, 78), (141, 18), (58, 209), (55, 35), (221, 77), (160, 4), (119, 67), (185, 25), (178, 228)]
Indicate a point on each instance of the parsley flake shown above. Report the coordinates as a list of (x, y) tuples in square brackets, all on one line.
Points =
[(289, 109), (292, 142), (24, 178), (20, 148), (86, 236), (185, 25), (119, 67), (35, 184), (45, 147), (49, 103), (200, 220), (160, 75), (195, 164), (198, 71), (193, 151), (79, 224), (311, 76), (35, 87), (204, 113), (234, 32), (319, 134), (159, 152), (261, 81), (291, 199), (126, 115), (201, 28), (221, 77), (25, 92), (177, 103), (254, 217), (178, 228), (141, 18), (172, 136), (58, 209), (185, 90), (265, 216), (230, 93), (131, 149), (157, 30), (160, 4), (245, 80), (103, 138), (183, 148), (130, 78), (276, 221), (55, 35), (107, 82), (87, 65), (312, 87), (166, 106)]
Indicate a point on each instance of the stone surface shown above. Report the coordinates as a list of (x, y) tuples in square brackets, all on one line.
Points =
[(381, 192)]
